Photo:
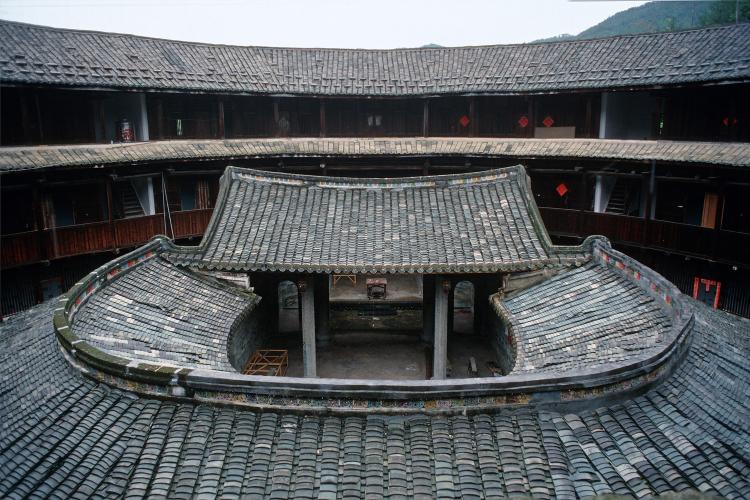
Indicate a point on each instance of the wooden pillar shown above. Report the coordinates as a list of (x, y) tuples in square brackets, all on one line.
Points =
[(28, 133), (426, 167), (39, 122), (426, 118), (472, 116), (582, 200), (307, 324), (39, 225), (428, 308), (440, 359), (718, 216), (650, 200), (160, 119), (112, 235), (322, 117), (451, 308), (532, 118), (222, 129), (480, 303), (276, 116), (322, 332)]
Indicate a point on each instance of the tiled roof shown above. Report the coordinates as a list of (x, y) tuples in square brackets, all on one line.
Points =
[(582, 319), (16, 159), (158, 313), (52, 56), (65, 433), (452, 223)]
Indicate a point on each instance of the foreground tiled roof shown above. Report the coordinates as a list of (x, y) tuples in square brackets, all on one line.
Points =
[(451, 223), (52, 56), (160, 313), (68, 434), (584, 318), (16, 159)]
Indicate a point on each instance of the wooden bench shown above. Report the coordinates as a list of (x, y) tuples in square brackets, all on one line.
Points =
[(271, 362)]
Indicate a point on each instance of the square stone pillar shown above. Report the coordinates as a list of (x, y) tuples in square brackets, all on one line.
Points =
[(440, 359), (306, 289), (322, 307), (428, 308)]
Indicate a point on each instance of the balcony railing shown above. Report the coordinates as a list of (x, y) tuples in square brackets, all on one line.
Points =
[(49, 244), (721, 245)]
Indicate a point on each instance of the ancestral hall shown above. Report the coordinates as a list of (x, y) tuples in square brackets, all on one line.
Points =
[(245, 291)]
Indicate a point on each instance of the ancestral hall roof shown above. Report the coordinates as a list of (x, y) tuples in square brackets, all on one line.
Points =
[(161, 313), (584, 318), (479, 222), (53, 56), (61, 431), (22, 158)]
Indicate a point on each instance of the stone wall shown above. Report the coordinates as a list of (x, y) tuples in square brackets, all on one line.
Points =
[(246, 337)]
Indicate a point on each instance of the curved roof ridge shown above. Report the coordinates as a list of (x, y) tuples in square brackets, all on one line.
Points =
[(359, 49), (366, 182), (268, 221), (73, 58)]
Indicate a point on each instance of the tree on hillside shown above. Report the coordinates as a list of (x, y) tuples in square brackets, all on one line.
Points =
[(726, 12)]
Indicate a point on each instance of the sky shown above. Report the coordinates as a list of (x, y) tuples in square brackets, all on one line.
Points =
[(378, 24)]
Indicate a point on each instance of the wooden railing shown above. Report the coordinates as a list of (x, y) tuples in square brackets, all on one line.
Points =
[(138, 230), (190, 222), (685, 239), (20, 248), (35, 246), (49, 244)]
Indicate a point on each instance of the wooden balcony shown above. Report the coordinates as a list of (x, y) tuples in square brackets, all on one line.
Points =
[(720, 245), (190, 222), (19, 249), (35, 246), (49, 244)]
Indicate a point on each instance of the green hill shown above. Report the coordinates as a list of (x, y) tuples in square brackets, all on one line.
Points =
[(660, 16)]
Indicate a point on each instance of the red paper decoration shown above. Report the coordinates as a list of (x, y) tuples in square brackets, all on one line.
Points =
[(464, 121), (523, 122), (561, 189), (548, 121)]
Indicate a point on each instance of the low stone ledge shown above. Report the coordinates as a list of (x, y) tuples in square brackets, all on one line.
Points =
[(581, 386)]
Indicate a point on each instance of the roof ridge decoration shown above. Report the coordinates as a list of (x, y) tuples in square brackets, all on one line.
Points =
[(477, 222), (51, 56)]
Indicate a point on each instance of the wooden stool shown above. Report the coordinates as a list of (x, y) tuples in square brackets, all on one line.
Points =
[(272, 362)]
